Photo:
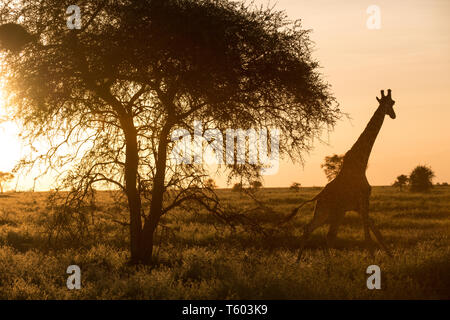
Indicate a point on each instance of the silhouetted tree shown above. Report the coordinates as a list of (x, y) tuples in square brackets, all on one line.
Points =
[(295, 186), (237, 187), (255, 185), (444, 184), (115, 91), (210, 183), (401, 181), (420, 179), (4, 178), (332, 166)]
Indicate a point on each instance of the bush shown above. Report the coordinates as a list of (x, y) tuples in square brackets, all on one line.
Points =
[(210, 184), (255, 185), (420, 179), (237, 187), (332, 166), (401, 181), (4, 178), (295, 186)]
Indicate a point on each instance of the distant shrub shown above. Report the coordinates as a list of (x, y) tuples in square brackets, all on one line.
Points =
[(237, 187), (4, 178), (332, 166), (444, 184), (255, 185), (401, 181), (420, 179), (295, 186), (210, 184)]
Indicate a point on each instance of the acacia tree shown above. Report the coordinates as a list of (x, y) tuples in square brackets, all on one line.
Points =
[(115, 90), (332, 166), (401, 181), (4, 178), (421, 179), (210, 183), (237, 187), (255, 185), (295, 186)]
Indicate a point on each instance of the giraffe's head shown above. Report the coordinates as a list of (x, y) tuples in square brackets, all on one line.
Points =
[(387, 104)]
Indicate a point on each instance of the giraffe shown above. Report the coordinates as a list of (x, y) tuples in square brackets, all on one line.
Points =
[(350, 190)]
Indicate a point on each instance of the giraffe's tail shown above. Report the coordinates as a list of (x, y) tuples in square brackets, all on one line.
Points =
[(296, 210)]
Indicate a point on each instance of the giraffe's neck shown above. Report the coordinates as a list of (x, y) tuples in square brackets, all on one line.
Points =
[(358, 156)]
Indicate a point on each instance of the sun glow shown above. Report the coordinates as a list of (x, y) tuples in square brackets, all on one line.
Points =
[(9, 140)]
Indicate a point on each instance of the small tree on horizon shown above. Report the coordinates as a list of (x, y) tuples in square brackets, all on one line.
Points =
[(332, 166), (211, 184), (255, 185), (5, 177), (402, 180), (421, 179), (295, 186), (237, 187)]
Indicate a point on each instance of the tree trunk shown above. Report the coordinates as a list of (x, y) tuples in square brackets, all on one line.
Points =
[(133, 196), (156, 206)]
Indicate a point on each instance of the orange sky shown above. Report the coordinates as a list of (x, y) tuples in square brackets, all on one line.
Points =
[(409, 54)]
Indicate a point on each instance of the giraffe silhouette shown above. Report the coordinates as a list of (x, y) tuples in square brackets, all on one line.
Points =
[(350, 190)]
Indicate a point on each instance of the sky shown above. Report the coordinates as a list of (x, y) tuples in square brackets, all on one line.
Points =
[(409, 54)]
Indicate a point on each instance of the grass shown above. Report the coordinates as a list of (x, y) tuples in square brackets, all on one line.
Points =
[(201, 259)]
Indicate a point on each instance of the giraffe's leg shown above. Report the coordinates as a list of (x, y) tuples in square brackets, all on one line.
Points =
[(379, 237), (364, 212), (320, 216), (308, 230), (334, 227)]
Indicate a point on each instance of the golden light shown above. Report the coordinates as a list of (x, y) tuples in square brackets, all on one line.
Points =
[(9, 140)]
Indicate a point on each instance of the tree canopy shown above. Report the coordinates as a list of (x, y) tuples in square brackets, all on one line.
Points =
[(401, 181), (295, 186), (332, 166), (4, 178), (421, 179)]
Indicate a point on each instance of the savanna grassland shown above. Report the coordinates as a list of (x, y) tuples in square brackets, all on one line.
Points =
[(201, 258)]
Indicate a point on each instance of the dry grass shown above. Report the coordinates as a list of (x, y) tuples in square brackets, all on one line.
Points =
[(201, 259)]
